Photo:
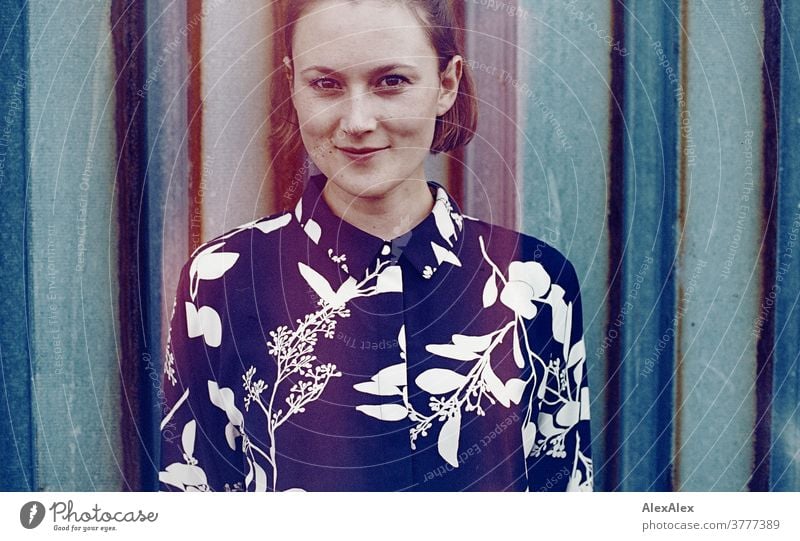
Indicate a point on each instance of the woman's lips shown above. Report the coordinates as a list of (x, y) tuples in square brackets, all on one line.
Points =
[(361, 153)]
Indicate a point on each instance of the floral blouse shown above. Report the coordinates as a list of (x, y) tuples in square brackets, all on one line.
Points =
[(307, 354)]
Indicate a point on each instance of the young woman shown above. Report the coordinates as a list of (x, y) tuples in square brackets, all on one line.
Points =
[(374, 337)]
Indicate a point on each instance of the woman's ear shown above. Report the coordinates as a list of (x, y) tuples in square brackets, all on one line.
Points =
[(449, 82)]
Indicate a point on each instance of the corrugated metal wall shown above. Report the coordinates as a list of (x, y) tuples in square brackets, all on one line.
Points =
[(649, 141)]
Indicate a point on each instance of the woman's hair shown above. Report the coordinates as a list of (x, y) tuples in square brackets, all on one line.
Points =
[(453, 129)]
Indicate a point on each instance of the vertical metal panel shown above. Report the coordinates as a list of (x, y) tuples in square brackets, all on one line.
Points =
[(16, 460), (784, 467), (615, 199), (164, 93), (653, 90), (235, 57), (71, 245), (194, 128), (720, 237), (490, 183), (127, 20), (562, 88), (765, 342)]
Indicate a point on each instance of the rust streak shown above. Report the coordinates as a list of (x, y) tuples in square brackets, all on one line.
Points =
[(195, 112), (682, 206)]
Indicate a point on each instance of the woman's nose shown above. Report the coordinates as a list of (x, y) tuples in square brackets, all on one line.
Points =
[(357, 115)]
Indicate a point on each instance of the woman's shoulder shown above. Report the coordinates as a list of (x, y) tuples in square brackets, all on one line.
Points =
[(237, 243), (522, 250), (265, 226)]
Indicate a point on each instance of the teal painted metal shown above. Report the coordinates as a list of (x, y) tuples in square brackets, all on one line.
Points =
[(784, 465), (644, 321), (562, 85), (720, 239), (71, 245), (16, 460)]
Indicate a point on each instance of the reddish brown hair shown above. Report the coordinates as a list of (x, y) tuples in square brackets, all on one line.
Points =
[(453, 129)]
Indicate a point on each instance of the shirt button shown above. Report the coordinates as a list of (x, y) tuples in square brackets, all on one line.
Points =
[(387, 249)]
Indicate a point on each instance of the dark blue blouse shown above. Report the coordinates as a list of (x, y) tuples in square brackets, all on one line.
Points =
[(307, 354)]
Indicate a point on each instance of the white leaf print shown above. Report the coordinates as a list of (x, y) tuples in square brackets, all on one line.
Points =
[(204, 322), (443, 254), (463, 348), (317, 282), (531, 273), (448, 439), (541, 390), (374, 388), (515, 387), (556, 301), (576, 355), (477, 344), (208, 265), (390, 280), (214, 265), (546, 426), (577, 373), (584, 416), (261, 478), (495, 386), (223, 399), (506, 393), (274, 224), (576, 484), (313, 230), (208, 249), (490, 291), (187, 438), (444, 223), (183, 476), (385, 412), (295, 489), (346, 292), (168, 417), (392, 375), (386, 382), (231, 433), (440, 381), (452, 351), (519, 359), (298, 210), (567, 415), (528, 437), (249, 477), (401, 340), (519, 297)]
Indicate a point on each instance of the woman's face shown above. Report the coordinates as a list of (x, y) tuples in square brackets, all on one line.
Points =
[(367, 90)]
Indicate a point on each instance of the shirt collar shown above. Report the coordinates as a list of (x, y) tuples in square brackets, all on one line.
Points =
[(431, 246)]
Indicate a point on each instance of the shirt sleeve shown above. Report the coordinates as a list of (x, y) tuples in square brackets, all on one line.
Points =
[(201, 427), (560, 454)]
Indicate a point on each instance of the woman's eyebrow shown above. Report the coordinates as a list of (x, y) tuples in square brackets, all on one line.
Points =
[(374, 71)]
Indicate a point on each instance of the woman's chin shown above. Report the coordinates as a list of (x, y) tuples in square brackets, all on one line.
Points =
[(369, 185)]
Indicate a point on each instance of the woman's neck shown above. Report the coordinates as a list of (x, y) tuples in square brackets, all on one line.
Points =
[(387, 217)]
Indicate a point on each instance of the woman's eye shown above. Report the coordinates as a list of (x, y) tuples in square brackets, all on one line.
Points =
[(393, 81), (324, 84)]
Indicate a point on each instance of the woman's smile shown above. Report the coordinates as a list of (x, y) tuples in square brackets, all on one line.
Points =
[(361, 154)]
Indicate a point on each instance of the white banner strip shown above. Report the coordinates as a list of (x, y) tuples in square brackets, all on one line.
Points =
[(386, 517)]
